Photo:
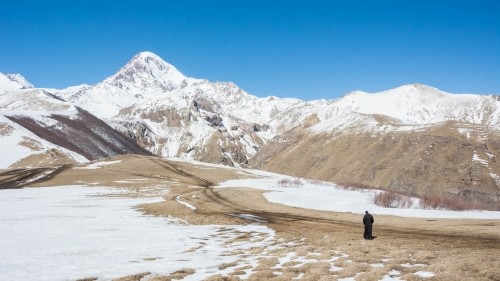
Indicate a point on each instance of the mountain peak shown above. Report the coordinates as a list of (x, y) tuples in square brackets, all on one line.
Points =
[(147, 70), (9, 82), (146, 54), (417, 88)]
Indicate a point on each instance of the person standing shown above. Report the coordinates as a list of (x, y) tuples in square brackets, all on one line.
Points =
[(368, 222)]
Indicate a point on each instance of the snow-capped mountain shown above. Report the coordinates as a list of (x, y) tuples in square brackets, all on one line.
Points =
[(174, 115), (147, 72), (158, 108)]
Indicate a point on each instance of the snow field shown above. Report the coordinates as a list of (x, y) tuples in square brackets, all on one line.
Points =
[(61, 233), (329, 197)]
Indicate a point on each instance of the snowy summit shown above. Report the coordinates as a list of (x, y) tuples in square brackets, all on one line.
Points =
[(147, 71)]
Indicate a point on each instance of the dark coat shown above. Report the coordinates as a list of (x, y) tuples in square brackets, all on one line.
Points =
[(368, 222), (368, 219)]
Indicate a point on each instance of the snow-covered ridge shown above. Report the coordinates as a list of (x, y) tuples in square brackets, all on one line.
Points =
[(421, 104), (11, 82), (147, 82), (408, 107)]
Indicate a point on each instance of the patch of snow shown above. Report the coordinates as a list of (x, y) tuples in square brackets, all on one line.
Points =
[(392, 276), (413, 265), (425, 274), (67, 233), (178, 199), (97, 165), (300, 276), (334, 268), (478, 159), (249, 217), (496, 178), (282, 260)]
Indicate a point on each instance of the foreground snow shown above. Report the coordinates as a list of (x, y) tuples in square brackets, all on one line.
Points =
[(62, 233), (323, 196), (73, 232)]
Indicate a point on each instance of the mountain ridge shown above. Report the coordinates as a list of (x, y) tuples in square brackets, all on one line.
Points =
[(13, 82), (170, 115)]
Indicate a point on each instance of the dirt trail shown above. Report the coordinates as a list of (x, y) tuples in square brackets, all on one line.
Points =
[(19, 178)]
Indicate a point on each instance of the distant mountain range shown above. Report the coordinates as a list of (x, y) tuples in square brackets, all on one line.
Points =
[(413, 138)]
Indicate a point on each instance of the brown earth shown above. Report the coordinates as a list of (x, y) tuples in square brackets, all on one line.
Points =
[(454, 249), (435, 161)]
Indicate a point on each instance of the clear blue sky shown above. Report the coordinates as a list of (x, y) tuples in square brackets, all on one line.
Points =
[(305, 49)]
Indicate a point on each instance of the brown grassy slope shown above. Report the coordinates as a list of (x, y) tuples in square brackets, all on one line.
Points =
[(435, 161), (138, 171)]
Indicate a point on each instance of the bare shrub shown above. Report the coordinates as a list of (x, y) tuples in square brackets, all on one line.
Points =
[(436, 202), (290, 183), (391, 199), (355, 185), (317, 182)]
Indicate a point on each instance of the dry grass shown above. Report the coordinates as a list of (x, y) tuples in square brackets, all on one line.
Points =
[(5, 129), (31, 144), (226, 265), (135, 277), (219, 277)]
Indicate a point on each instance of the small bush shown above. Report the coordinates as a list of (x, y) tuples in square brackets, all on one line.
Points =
[(290, 183), (391, 199), (355, 186), (435, 202), (317, 182)]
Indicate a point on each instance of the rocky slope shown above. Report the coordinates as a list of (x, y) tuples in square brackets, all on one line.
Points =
[(172, 115)]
